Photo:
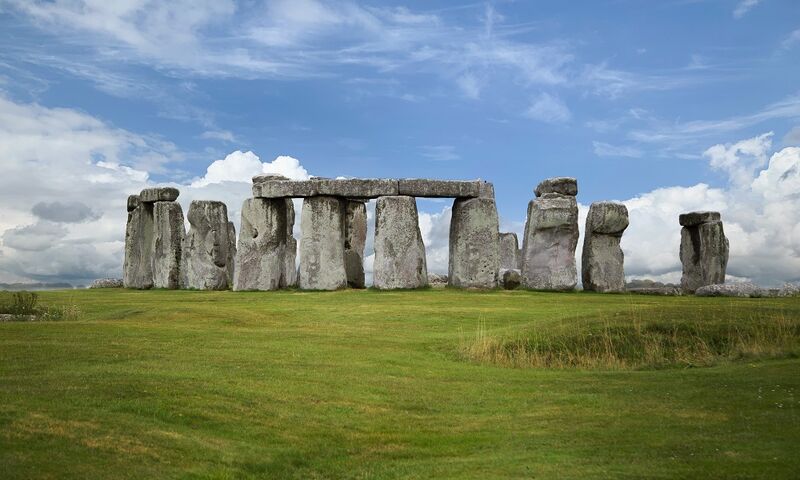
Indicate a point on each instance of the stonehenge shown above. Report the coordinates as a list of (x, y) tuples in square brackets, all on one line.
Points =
[(474, 244), (509, 251), (322, 244), (209, 247), (399, 252), (602, 260), (704, 250), (355, 239), (551, 236)]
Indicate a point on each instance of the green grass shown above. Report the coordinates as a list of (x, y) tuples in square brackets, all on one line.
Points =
[(367, 384)]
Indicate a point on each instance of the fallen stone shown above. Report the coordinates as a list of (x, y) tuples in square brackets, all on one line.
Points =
[(159, 194), (512, 278), (399, 251), (207, 247), (322, 244), (107, 283), (474, 244), (137, 268), (420, 187), (509, 251), (436, 280), (168, 234), (261, 248), (662, 291), (602, 261), (732, 290), (549, 242), (696, 218), (355, 238), (560, 185), (703, 252)]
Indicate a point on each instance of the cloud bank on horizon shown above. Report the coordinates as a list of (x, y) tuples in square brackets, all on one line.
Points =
[(138, 93)]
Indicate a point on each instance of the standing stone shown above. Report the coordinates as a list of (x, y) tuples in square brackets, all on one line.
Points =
[(551, 236), (355, 238), (509, 251), (260, 259), (602, 262), (137, 270), (399, 251), (322, 244), (168, 242), (207, 247), (290, 251), (474, 243), (704, 250), (231, 264)]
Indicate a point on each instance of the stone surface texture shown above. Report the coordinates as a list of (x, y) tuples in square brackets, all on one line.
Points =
[(703, 252), (207, 247), (355, 238), (559, 185), (399, 251), (696, 218), (261, 248), (474, 244), (419, 187), (159, 194), (602, 261), (168, 238), (137, 269), (511, 278), (290, 252), (107, 283), (365, 188), (509, 251), (322, 244), (549, 242)]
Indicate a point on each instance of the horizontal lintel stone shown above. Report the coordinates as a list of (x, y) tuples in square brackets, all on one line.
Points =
[(364, 188), (159, 194)]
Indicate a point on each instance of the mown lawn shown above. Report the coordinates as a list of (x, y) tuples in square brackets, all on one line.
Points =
[(366, 384)]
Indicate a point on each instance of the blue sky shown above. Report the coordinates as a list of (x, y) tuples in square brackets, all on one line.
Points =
[(628, 96)]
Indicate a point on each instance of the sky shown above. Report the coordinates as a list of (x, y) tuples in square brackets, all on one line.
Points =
[(668, 106)]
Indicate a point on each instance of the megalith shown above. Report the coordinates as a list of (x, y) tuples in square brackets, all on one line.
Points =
[(399, 251), (355, 238), (290, 251), (602, 261), (704, 250), (168, 242), (137, 269), (551, 236), (207, 256), (260, 258), (474, 241), (322, 244), (509, 251)]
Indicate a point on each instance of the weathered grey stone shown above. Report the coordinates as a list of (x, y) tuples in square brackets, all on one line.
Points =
[(260, 258), (511, 278), (159, 194), (509, 251), (559, 185), (231, 265), (351, 188), (268, 177), (436, 280), (137, 269), (602, 261), (168, 234), (107, 283), (474, 244), (399, 251), (133, 202), (355, 238), (290, 252), (703, 252), (207, 247), (420, 187), (322, 244), (732, 290), (696, 218), (548, 246)]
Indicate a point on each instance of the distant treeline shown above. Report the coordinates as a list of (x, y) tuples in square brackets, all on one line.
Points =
[(37, 286)]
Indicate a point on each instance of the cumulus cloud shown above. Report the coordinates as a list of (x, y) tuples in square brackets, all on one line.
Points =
[(66, 212), (243, 166), (549, 109)]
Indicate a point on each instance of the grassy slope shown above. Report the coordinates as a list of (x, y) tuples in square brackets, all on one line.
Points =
[(364, 384)]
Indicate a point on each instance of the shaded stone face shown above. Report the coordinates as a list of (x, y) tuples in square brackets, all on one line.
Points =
[(474, 244), (261, 245), (355, 239), (207, 248), (399, 252), (511, 278), (322, 244), (696, 218), (559, 185), (509, 251), (420, 187), (704, 251), (137, 269), (551, 236), (290, 251), (602, 261), (168, 243), (159, 194)]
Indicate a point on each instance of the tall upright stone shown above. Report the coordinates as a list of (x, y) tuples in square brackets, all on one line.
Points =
[(509, 251), (355, 238), (704, 250), (137, 269), (207, 256), (290, 252), (260, 258), (602, 261), (474, 241), (168, 238), (322, 244), (551, 236), (399, 251)]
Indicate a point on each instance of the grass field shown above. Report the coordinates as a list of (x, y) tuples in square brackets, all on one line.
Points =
[(413, 384)]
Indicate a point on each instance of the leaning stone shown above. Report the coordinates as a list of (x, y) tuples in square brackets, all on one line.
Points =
[(420, 187), (207, 247), (399, 251), (703, 252), (696, 218), (474, 244), (167, 244), (559, 185), (602, 261), (137, 269), (732, 290), (509, 251), (355, 238), (160, 194), (261, 246), (512, 278), (107, 283), (548, 251), (322, 244)]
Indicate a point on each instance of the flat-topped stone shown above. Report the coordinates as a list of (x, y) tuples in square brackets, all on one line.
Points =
[(696, 218), (560, 185), (421, 187), (364, 188), (268, 177), (159, 194), (133, 202)]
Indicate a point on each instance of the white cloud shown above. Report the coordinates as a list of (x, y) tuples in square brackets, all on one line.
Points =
[(469, 85), (607, 150), (740, 159), (223, 135), (743, 7), (791, 40), (241, 166), (549, 109), (440, 153)]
